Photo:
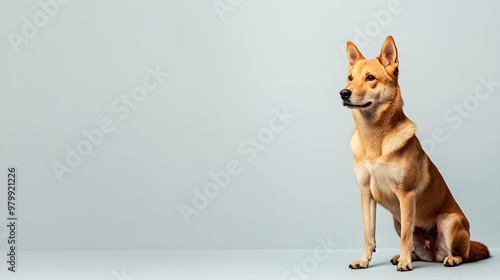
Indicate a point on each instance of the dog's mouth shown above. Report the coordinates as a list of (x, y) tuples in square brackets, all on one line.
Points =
[(356, 106)]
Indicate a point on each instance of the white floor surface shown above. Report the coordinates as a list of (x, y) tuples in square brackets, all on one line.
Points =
[(234, 265)]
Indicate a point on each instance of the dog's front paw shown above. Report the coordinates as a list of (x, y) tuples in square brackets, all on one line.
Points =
[(359, 264), (404, 265)]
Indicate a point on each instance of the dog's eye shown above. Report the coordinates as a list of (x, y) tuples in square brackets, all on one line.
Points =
[(349, 78), (370, 78)]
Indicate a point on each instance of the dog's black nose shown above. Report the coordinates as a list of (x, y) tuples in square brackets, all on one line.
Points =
[(345, 94)]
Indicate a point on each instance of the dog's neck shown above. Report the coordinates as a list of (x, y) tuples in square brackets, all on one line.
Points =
[(376, 124)]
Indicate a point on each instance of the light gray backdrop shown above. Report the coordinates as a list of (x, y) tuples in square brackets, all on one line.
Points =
[(122, 115)]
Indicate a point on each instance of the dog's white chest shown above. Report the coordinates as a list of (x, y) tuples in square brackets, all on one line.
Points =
[(378, 176)]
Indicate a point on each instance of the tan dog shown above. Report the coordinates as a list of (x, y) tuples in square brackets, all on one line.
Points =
[(392, 169)]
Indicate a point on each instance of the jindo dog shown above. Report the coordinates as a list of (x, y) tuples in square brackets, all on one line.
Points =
[(392, 169)]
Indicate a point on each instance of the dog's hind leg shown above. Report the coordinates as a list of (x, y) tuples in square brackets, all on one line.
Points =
[(454, 243)]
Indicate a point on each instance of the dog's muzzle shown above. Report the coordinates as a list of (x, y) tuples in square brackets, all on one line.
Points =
[(345, 94)]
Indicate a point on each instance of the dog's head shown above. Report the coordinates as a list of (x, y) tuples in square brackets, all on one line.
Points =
[(371, 83)]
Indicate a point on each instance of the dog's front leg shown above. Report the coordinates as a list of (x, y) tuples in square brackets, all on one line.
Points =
[(407, 208), (368, 207)]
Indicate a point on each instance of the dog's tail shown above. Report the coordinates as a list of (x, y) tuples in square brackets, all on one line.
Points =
[(477, 251)]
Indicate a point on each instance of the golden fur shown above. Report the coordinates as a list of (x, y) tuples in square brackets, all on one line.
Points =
[(393, 170)]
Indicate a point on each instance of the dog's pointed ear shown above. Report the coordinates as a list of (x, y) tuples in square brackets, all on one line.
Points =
[(353, 54), (389, 53)]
